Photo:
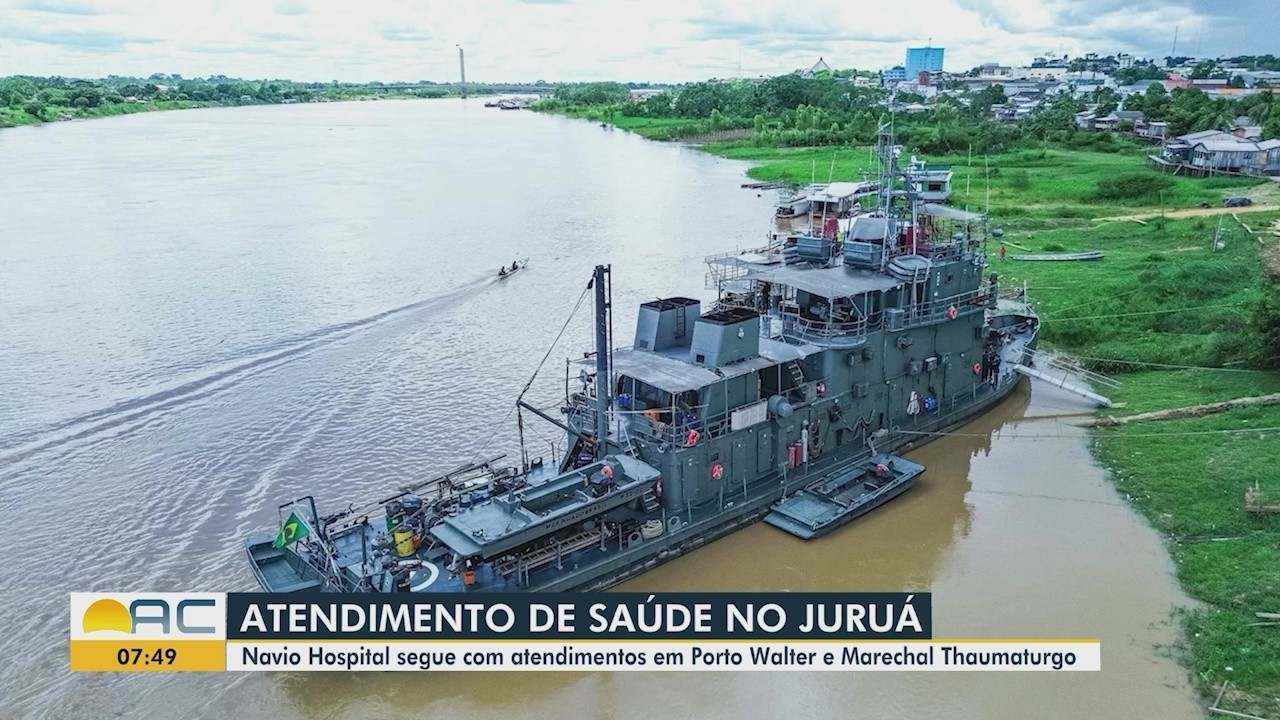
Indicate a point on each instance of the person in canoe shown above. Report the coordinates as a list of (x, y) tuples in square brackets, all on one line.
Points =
[(502, 272), (515, 265)]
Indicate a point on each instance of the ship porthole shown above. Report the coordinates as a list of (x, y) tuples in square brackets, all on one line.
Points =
[(673, 524)]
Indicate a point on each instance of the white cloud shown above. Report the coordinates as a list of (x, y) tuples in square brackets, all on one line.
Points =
[(590, 39)]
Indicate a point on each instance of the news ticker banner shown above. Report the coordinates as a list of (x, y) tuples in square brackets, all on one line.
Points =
[(214, 632)]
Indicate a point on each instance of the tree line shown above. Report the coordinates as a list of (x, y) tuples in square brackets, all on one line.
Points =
[(791, 110), (48, 98)]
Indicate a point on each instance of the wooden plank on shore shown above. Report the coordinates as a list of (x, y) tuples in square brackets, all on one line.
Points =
[(1186, 412), (1013, 244), (1246, 227)]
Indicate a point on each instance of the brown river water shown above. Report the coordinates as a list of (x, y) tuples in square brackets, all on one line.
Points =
[(207, 313)]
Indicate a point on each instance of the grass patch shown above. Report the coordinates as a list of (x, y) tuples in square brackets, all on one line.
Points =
[(1039, 183), (1159, 295), (1191, 488), (13, 117)]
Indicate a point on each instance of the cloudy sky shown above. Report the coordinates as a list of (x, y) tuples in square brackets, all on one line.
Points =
[(659, 40)]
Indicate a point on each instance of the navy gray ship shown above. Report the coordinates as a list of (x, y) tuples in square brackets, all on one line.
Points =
[(785, 399)]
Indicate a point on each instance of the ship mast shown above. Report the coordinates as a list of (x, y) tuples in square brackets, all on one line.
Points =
[(603, 309)]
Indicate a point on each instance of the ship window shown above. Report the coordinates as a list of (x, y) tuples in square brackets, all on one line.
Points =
[(646, 396), (700, 358), (715, 456)]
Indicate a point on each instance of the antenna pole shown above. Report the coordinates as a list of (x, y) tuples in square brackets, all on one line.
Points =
[(602, 359)]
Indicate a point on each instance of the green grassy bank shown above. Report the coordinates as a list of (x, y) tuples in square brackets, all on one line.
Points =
[(652, 128), (13, 117), (1163, 295), (1188, 478)]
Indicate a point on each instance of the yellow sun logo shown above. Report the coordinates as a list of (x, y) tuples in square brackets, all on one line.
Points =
[(107, 614)]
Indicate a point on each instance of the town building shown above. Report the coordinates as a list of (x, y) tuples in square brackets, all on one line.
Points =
[(893, 75), (819, 67), (924, 59), (1213, 151)]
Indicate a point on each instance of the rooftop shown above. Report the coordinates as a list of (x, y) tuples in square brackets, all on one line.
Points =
[(670, 373), (833, 282)]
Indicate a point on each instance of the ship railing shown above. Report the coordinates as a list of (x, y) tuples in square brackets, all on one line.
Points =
[(721, 267), (938, 310), (676, 433), (1068, 366), (946, 251), (795, 326)]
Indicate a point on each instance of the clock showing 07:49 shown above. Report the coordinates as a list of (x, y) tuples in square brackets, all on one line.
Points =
[(139, 656)]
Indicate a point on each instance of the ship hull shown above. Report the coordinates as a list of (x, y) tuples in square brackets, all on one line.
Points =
[(671, 545), (272, 566)]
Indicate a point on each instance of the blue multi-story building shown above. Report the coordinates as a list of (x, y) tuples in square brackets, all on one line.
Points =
[(893, 75), (925, 59)]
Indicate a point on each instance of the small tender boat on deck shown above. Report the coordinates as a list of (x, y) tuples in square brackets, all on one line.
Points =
[(842, 495)]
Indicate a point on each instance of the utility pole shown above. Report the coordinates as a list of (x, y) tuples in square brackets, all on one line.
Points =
[(462, 70)]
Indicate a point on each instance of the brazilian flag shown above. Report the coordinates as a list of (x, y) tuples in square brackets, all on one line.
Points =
[(292, 531)]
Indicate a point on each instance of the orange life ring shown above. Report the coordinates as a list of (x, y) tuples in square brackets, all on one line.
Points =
[(977, 368), (952, 312), (657, 488), (717, 471), (607, 471), (691, 439)]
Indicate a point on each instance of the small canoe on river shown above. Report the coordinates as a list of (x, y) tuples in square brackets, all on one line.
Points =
[(516, 266)]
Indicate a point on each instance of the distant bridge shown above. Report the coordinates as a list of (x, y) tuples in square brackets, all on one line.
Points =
[(497, 88)]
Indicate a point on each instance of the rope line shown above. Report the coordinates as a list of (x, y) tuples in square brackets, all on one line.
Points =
[(1015, 436), (532, 377), (1166, 365), (1144, 312)]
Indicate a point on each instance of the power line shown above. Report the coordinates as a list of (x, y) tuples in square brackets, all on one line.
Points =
[(1059, 436), (1144, 312), (536, 370), (1166, 365)]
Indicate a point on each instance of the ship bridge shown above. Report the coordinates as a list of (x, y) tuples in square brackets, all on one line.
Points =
[(833, 306)]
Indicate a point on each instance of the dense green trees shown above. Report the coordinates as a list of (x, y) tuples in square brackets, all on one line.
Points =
[(26, 98), (1190, 109), (598, 93), (1145, 71), (980, 102)]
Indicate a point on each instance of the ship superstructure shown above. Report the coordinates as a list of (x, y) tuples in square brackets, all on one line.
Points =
[(783, 398)]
